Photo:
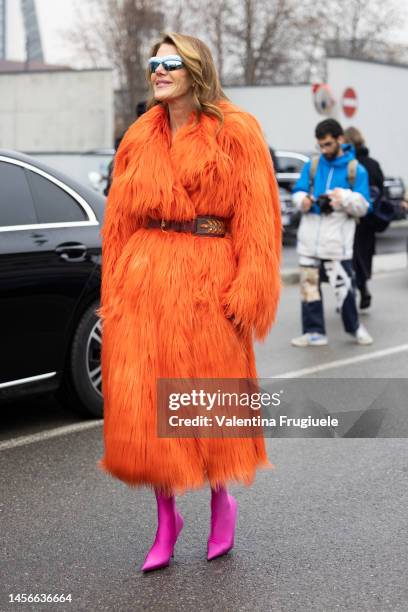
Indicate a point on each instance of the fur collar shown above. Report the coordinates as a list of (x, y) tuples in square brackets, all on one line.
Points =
[(152, 173)]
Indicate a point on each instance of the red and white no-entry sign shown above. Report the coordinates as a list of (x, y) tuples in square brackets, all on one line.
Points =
[(350, 102)]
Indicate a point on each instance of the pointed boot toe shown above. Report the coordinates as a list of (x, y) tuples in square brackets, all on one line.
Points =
[(217, 549), (155, 561)]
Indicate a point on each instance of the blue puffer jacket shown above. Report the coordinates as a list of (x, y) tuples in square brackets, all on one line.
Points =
[(331, 236)]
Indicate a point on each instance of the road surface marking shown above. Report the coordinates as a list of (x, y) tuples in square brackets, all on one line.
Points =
[(62, 431), (50, 433), (343, 362)]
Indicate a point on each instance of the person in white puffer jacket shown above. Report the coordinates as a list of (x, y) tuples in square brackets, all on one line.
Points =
[(331, 193)]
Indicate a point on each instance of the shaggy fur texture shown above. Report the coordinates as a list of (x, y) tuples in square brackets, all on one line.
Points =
[(166, 296)]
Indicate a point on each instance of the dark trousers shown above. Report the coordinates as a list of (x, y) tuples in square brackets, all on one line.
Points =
[(364, 249), (340, 275)]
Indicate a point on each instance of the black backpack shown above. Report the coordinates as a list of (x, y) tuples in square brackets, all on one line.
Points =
[(383, 211)]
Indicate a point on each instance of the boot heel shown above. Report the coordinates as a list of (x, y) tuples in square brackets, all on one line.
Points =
[(221, 546), (179, 527)]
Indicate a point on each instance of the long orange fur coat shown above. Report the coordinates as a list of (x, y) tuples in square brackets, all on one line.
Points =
[(166, 296)]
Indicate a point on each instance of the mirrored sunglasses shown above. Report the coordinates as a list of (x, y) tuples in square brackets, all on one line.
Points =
[(169, 62)]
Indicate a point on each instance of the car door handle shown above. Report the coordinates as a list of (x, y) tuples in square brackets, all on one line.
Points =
[(72, 252)]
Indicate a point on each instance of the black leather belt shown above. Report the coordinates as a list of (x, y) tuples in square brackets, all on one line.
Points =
[(204, 226)]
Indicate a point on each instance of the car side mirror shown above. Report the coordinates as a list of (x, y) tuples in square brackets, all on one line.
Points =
[(95, 178)]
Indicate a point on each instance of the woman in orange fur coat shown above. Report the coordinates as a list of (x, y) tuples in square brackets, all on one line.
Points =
[(183, 300)]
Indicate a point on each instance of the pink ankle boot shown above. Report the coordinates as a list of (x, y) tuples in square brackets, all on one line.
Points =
[(170, 523), (223, 520)]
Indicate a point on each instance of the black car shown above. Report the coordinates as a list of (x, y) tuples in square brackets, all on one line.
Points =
[(394, 189), (50, 273), (289, 168)]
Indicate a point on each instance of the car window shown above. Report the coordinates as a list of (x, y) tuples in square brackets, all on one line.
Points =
[(16, 203), (290, 164), (53, 204)]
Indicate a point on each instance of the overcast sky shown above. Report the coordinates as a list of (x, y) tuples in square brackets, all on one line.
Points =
[(56, 15)]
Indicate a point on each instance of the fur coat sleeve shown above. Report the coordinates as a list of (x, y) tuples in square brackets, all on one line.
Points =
[(253, 297), (119, 222)]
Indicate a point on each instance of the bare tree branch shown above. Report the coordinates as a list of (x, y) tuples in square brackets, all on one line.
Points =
[(254, 42)]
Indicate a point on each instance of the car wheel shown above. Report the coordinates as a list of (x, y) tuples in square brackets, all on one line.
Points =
[(82, 384)]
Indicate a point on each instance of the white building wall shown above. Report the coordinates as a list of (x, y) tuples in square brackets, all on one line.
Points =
[(286, 113), (288, 116), (382, 113), (56, 111)]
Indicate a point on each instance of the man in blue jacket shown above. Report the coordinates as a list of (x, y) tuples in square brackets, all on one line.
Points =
[(331, 193)]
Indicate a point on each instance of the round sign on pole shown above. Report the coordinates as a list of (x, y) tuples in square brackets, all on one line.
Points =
[(323, 98), (350, 102)]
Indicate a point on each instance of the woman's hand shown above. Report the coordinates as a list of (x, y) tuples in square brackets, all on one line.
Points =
[(231, 309)]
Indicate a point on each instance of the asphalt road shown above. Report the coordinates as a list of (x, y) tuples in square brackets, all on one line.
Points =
[(326, 530)]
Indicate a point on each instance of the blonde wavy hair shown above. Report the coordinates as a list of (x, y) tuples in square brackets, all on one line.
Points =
[(199, 63)]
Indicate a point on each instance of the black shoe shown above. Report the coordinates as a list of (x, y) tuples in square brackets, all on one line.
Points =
[(365, 299)]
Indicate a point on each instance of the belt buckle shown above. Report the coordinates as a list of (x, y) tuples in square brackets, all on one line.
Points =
[(163, 225), (210, 226)]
